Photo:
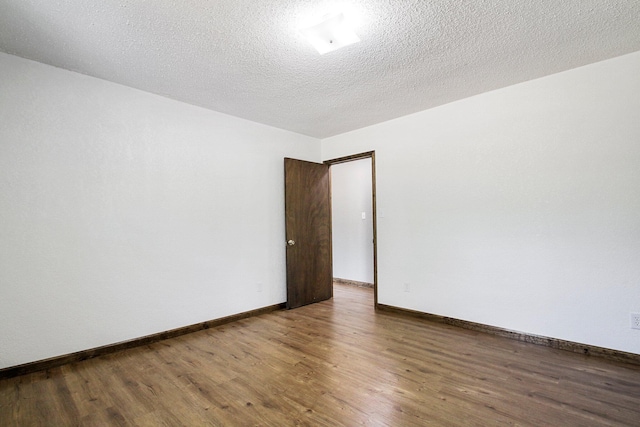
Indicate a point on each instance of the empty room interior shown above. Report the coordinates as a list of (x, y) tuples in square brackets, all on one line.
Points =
[(168, 247)]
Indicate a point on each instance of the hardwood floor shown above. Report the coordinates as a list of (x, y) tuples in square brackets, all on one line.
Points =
[(335, 363)]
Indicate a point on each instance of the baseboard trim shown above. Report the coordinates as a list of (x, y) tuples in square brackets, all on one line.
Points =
[(54, 362), (352, 283), (589, 350)]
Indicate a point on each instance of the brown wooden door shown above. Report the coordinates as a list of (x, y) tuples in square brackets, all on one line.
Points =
[(308, 232)]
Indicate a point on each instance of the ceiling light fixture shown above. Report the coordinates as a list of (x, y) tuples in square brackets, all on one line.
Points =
[(331, 34)]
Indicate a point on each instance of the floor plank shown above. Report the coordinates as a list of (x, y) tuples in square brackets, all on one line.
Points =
[(335, 363)]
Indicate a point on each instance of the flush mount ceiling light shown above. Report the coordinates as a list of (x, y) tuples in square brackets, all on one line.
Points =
[(331, 34)]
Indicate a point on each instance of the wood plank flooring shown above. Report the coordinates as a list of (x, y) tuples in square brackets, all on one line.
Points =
[(335, 363)]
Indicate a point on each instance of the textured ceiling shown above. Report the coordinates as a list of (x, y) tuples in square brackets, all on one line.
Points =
[(246, 57)]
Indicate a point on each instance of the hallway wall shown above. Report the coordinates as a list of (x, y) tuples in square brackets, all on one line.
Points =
[(352, 235)]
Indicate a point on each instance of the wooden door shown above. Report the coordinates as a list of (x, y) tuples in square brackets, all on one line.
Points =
[(308, 232)]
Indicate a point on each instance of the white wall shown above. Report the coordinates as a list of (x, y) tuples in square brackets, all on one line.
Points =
[(352, 235), (518, 208), (123, 213)]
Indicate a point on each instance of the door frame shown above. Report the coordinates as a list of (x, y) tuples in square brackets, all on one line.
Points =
[(366, 155)]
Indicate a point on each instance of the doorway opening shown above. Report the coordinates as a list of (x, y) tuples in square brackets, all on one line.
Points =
[(353, 200)]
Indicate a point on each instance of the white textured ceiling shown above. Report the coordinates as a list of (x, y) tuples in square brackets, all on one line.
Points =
[(246, 57)]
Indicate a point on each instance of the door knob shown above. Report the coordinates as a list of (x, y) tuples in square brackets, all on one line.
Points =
[(291, 243)]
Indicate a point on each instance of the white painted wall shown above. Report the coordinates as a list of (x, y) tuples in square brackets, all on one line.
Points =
[(518, 208), (352, 235), (123, 213)]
